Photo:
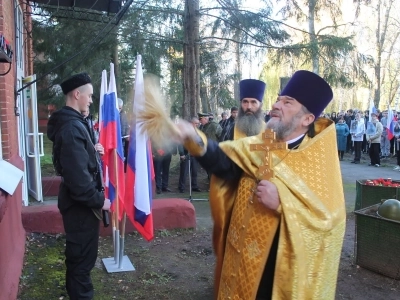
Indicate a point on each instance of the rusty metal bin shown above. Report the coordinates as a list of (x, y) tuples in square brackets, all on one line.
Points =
[(367, 195), (377, 242)]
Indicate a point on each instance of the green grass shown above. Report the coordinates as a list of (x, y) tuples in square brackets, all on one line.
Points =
[(46, 162)]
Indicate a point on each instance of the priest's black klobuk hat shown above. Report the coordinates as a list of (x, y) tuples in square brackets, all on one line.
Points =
[(74, 82), (310, 90), (252, 88)]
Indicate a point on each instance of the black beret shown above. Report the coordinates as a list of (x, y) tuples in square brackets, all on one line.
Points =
[(252, 88), (74, 82), (310, 90)]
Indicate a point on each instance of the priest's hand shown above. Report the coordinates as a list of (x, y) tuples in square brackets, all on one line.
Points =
[(267, 194), (185, 131)]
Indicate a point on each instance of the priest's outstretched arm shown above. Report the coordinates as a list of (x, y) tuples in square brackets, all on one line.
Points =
[(208, 153), (214, 160)]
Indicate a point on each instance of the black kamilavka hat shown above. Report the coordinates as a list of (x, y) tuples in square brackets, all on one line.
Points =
[(310, 90), (252, 88)]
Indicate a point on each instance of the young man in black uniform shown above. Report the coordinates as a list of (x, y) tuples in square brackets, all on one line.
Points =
[(80, 198)]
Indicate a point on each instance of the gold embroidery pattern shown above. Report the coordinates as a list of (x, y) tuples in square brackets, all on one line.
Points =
[(243, 256), (312, 224), (313, 216)]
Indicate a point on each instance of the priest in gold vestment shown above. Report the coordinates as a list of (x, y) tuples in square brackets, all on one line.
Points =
[(279, 213)]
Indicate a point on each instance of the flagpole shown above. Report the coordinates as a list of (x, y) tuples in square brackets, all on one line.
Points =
[(114, 231), (122, 241), (117, 260), (116, 181)]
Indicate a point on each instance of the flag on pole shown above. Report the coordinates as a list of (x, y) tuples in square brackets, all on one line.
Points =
[(372, 109), (110, 138), (389, 124), (103, 91), (139, 171)]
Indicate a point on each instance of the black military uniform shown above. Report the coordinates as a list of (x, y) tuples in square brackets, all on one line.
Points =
[(184, 170), (80, 199), (228, 132)]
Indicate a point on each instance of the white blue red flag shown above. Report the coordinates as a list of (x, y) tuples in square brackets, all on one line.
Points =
[(103, 91), (372, 109), (390, 124), (110, 138), (139, 171)]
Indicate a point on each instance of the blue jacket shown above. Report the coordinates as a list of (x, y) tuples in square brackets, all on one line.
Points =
[(342, 131)]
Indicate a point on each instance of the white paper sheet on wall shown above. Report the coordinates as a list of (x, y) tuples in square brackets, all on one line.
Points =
[(10, 176)]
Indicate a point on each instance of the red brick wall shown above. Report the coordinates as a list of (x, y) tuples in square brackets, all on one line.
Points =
[(12, 234), (7, 83)]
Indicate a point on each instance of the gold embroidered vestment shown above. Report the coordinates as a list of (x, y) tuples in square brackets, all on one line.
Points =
[(311, 216)]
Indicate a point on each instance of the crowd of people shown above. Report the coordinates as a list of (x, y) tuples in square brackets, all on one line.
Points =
[(368, 132)]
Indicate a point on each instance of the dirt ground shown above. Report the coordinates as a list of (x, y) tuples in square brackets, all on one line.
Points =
[(175, 265)]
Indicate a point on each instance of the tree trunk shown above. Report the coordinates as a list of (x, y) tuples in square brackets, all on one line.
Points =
[(238, 72), (115, 60), (313, 38), (191, 58), (377, 96)]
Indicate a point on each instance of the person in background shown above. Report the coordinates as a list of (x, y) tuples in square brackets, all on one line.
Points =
[(334, 117), (224, 119), (357, 138), (267, 116), (80, 197), (210, 128), (374, 141), (396, 131), (385, 142), (125, 128), (342, 131), (227, 132), (348, 118), (162, 162), (186, 162), (250, 119), (364, 145)]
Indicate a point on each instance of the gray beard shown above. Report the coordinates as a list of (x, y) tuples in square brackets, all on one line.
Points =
[(251, 124), (283, 130)]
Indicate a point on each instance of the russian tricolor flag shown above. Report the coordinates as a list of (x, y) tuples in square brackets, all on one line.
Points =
[(139, 171), (390, 124), (110, 138)]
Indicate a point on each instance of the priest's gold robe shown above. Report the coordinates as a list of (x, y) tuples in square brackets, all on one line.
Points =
[(311, 217)]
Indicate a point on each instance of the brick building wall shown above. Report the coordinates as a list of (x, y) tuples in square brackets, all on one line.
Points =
[(12, 234)]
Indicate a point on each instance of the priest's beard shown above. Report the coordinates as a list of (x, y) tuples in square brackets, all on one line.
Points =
[(284, 129), (250, 124)]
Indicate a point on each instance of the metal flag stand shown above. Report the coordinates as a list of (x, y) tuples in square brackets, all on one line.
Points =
[(120, 262), (190, 182)]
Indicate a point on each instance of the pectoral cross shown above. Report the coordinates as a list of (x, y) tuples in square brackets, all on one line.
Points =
[(265, 171)]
